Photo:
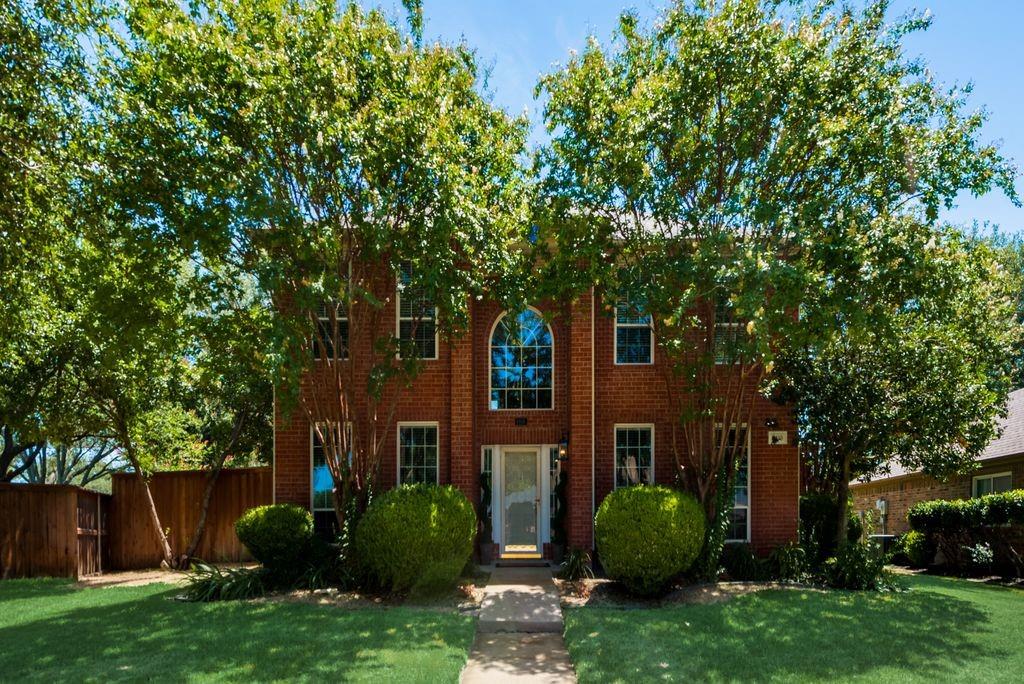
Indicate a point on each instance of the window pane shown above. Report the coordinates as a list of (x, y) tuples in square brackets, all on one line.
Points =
[(418, 454), (633, 345), (738, 524), (1001, 484), (633, 457), (521, 353)]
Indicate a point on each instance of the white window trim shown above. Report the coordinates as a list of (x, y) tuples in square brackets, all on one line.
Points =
[(615, 342), (988, 476), (312, 489), (398, 447), (615, 447), (743, 426), (398, 323), (490, 361)]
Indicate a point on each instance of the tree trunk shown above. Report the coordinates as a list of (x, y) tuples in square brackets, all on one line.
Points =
[(843, 508), (211, 484), (165, 546), (204, 509)]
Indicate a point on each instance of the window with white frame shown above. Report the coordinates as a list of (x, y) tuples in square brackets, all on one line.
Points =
[(329, 341), (417, 453), (634, 341), (992, 484), (634, 455), (417, 318), (738, 445), (325, 522), (728, 333), (522, 362)]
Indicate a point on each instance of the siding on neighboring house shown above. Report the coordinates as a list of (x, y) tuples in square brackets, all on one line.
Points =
[(591, 395)]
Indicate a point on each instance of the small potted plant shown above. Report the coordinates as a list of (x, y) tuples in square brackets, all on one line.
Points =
[(486, 539), (558, 532)]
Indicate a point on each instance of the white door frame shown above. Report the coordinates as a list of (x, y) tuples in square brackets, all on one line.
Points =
[(498, 492)]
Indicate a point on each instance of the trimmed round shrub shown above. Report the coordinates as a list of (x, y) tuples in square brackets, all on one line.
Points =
[(646, 535), (416, 538), (279, 536)]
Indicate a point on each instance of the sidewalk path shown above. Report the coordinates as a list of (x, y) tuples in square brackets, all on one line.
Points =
[(519, 633)]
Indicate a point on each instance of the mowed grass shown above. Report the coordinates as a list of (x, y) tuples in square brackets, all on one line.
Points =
[(50, 630), (941, 630)]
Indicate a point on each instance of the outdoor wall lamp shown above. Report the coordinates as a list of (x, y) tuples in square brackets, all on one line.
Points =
[(563, 448), (771, 423)]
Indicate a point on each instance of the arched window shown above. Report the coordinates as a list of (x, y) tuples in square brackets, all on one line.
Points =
[(522, 362)]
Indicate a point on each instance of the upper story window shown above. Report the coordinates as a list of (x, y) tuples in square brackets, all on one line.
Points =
[(417, 318), (522, 362), (634, 342), (331, 341), (728, 333)]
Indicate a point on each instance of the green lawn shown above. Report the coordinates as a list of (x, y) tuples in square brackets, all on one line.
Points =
[(940, 630), (51, 631)]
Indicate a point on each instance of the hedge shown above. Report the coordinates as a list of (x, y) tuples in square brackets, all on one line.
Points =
[(957, 526)]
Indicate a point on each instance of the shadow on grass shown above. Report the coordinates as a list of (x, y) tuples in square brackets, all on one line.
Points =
[(142, 633), (793, 635)]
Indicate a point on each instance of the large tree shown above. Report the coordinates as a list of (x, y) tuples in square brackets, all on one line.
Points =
[(708, 166), (335, 157), (43, 82), (915, 365)]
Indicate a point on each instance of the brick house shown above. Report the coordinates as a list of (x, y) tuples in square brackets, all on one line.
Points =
[(521, 398), (1000, 468)]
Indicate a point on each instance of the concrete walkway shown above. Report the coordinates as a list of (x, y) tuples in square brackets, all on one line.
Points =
[(519, 633)]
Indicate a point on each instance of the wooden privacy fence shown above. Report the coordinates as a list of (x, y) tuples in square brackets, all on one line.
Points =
[(178, 497), (52, 530)]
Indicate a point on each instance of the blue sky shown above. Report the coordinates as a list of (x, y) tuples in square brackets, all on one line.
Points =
[(977, 41)]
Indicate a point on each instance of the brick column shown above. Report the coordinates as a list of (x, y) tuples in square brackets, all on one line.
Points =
[(581, 416), (465, 469)]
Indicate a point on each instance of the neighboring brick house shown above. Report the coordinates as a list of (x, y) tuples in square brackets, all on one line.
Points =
[(1000, 468), (586, 387)]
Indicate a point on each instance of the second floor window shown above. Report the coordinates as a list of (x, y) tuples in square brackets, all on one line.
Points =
[(330, 342), (633, 338), (522, 362), (417, 319), (729, 334)]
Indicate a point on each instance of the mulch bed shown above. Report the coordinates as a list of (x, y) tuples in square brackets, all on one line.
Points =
[(608, 594)]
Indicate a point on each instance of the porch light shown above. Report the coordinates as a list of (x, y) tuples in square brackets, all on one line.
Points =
[(771, 423), (563, 448)]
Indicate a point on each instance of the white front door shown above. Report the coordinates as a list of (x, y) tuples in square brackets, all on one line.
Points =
[(520, 500)]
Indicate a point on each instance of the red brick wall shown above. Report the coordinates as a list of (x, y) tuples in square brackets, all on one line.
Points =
[(901, 493), (453, 391)]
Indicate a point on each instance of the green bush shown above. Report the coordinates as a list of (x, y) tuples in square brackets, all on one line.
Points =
[(279, 536), (416, 538), (646, 535), (960, 529), (210, 583), (818, 512), (857, 566), (916, 549), (576, 566), (742, 565), (787, 562)]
